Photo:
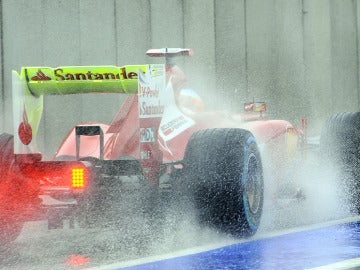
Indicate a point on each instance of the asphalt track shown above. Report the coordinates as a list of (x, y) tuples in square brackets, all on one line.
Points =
[(316, 233), (333, 245)]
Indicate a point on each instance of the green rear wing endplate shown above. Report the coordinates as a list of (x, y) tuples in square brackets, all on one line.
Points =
[(29, 87)]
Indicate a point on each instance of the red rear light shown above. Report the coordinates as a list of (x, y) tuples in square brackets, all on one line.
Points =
[(78, 178), (54, 175)]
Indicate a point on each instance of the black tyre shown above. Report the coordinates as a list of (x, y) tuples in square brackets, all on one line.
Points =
[(225, 180), (10, 221), (340, 149)]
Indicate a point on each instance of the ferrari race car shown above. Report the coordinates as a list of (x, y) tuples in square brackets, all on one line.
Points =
[(161, 144)]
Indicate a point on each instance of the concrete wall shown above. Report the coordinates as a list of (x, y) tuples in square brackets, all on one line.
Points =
[(301, 56)]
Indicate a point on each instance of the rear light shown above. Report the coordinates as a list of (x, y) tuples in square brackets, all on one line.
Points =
[(54, 175), (78, 178)]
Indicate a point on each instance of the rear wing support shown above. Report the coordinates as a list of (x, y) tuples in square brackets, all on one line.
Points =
[(89, 131)]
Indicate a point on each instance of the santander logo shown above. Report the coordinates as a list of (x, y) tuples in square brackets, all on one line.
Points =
[(63, 74), (40, 76)]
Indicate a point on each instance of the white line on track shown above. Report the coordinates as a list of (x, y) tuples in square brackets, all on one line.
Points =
[(343, 265), (350, 263)]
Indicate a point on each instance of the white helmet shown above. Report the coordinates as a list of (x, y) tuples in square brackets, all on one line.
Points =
[(190, 100)]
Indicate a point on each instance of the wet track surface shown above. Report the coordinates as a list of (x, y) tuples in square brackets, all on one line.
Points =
[(38, 248)]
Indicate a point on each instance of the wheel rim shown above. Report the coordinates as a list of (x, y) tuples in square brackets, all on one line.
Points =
[(253, 187)]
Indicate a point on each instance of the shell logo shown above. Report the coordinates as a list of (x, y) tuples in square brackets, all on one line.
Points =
[(25, 130)]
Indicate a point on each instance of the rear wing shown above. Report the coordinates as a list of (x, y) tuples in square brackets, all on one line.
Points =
[(32, 83), (80, 79)]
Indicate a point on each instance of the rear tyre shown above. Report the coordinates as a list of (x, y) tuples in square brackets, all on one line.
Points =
[(224, 179), (10, 221), (340, 148)]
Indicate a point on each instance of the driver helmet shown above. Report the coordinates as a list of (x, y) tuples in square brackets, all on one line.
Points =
[(190, 101)]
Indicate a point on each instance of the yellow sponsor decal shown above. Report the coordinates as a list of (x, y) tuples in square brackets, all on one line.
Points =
[(291, 142)]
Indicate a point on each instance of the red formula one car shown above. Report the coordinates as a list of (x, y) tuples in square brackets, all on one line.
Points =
[(160, 142)]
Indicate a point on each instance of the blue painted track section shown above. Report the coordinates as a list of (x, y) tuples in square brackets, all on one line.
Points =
[(299, 250)]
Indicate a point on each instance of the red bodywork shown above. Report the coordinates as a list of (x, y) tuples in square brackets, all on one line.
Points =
[(121, 137)]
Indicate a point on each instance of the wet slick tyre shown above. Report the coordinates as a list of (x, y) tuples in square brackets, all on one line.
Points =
[(340, 149), (224, 178)]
